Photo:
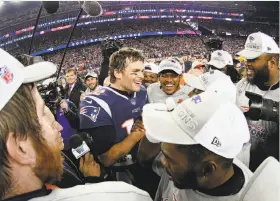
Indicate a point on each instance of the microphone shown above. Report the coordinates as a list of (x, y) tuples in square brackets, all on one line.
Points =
[(88, 140), (78, 147), (92, 8), (51, 6)]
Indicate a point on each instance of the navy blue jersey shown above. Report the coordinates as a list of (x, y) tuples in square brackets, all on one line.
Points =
[(108, 107)]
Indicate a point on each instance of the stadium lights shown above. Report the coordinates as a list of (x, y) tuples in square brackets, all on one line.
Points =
[(1, 3)]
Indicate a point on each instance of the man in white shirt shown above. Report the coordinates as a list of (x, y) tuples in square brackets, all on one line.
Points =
[(31, 142), (262, 65), (199, 140), (170, 75), (91, 81)]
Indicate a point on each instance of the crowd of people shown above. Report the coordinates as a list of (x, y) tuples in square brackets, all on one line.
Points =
[(240, 28), (154, 47)]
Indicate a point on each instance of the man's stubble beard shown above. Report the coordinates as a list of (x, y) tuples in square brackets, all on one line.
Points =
[(260, 76), (49, 162)]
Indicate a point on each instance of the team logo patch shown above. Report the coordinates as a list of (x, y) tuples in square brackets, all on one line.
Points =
[(197, 99), (180, 100), (6, 74), (90, 112), (219, 54), (268, 49)]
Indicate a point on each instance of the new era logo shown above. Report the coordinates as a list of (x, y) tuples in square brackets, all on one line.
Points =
[(216, 142), (268, 49), (219, 54)]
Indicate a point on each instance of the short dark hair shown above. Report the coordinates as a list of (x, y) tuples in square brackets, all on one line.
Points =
[(119, 60), (196, 153)]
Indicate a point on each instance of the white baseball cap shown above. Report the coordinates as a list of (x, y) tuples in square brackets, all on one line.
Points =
[(13, 74), (213, 80), (257, 44), (220, 59), (208, 119), (151, 68), (91, 74), (170, 64)]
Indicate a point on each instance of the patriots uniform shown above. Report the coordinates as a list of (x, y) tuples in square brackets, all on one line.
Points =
[(107, 107)]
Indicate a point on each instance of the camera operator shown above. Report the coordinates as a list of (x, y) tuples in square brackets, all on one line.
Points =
[(262, 55)]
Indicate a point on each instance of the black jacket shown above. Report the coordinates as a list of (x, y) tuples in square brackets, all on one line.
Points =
[(73, 116), (75, 93)]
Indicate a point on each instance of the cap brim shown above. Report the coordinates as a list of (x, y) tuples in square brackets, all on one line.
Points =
[(160, 126), (38, 71), (249, 54), (193, 81), (217, 64), (174, 70)]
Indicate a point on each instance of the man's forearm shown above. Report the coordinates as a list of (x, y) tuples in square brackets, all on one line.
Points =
[(119, 150), (147, 151)]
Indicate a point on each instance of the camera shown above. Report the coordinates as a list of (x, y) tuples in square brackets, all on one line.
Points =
[(261, 108), (50, 91), (214, 44), (109, 46), (51, 94)]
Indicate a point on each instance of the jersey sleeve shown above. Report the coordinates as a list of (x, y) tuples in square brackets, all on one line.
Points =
[(94, 112)]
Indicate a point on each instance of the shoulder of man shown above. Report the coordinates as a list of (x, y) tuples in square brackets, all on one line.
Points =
[(101, 191), (153, 87), (95, 110)]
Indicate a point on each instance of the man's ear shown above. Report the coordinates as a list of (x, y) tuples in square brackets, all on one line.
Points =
[(117, 74), (273, 63), (20, 150), (208, 168)]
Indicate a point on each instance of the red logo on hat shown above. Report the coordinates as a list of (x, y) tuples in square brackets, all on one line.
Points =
[(180, 100), (6, 74)]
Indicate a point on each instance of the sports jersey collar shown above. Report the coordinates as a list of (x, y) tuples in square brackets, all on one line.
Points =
[(230, 187), (27, 196), (121, 93)]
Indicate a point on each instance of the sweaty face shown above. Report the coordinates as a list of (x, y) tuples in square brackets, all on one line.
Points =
[(91, 82), (149, 78), (257, 70), (71, 77), (180, 171), (49, 159), (169, 81), (132, 76)]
